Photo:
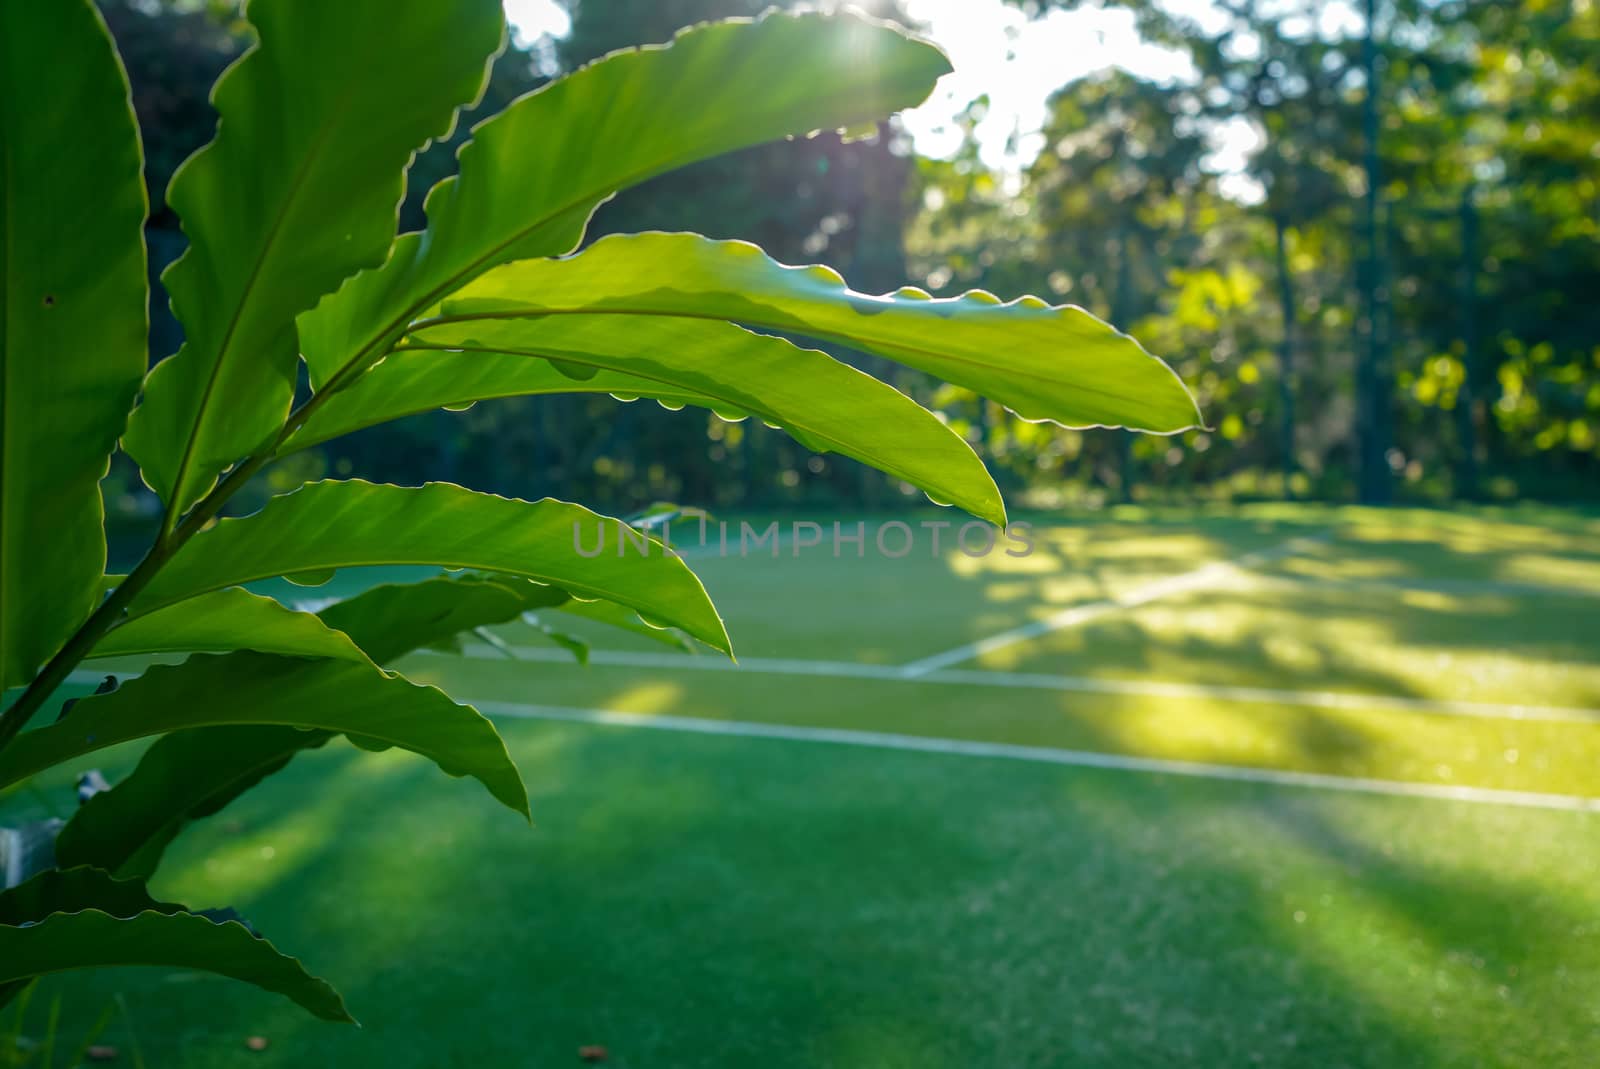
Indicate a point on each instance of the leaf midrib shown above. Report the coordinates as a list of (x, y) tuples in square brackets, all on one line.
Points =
[(535, 313), (296, 185), (486, 262)]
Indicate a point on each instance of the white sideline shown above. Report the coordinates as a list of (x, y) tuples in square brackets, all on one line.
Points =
[(1197, 579), (981, 677), (1009, 751), (1044, 755)]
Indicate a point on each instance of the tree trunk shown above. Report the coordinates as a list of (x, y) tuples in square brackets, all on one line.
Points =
[(1286, 383)]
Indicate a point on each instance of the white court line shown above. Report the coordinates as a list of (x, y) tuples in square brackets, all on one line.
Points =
[(1082, 614), (981, 677), (1456, 587), (1010, 751), (978, 677), (1044, 755)]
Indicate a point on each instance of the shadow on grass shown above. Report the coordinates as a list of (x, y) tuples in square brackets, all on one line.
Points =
[(698, 901)]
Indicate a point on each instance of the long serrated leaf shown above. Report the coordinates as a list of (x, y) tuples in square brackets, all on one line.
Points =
[(1044, 362), (72, 314), (224, 620), (192, 774), (394, 619), (92, 939), (391, 620), (407, 383), (375, 709), (299, 190), (533, 174), (327, 525), (605, 612), (826, 405), (181, 778), (73, 889), (188, 775)]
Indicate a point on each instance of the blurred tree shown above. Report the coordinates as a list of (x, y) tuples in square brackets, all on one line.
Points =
[(1117, 214), (1250, 282), (1489, 115)]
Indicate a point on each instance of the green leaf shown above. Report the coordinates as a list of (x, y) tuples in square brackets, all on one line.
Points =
[(192, 774), (407, 383), (375, 709), (226, 620), (826, 405), (73, 889), (84, 891), (392, 620), (70, 890), (1041, 361), (613, 615), (351, 524), (92, 939), (73, 315), (567, 641), (534, 173), (189, 775), (183, 777), (298, 191)]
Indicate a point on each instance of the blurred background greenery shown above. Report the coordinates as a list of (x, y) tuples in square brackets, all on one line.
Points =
[(1405, 316)]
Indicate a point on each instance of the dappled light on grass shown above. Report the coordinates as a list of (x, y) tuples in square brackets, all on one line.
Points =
[(1354, 899), (801, 888), (1380, 742), (1527, 546), (1477, 648), (971, 596), (1254, 629), (794, 892), (651, 697), (248, 864)]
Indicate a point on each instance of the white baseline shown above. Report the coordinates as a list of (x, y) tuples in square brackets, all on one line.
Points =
[(983, 677), (1043, 755), (1009, 751)]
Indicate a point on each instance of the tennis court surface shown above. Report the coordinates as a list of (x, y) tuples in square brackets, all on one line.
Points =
[(1282, 786)]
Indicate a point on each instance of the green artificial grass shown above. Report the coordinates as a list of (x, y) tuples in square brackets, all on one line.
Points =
[(687, 900)]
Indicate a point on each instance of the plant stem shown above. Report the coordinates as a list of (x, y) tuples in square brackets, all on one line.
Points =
[(110, 610), (167, 543)]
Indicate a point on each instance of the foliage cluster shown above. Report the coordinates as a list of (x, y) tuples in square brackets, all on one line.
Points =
[(305, 318), (1488, 376)]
